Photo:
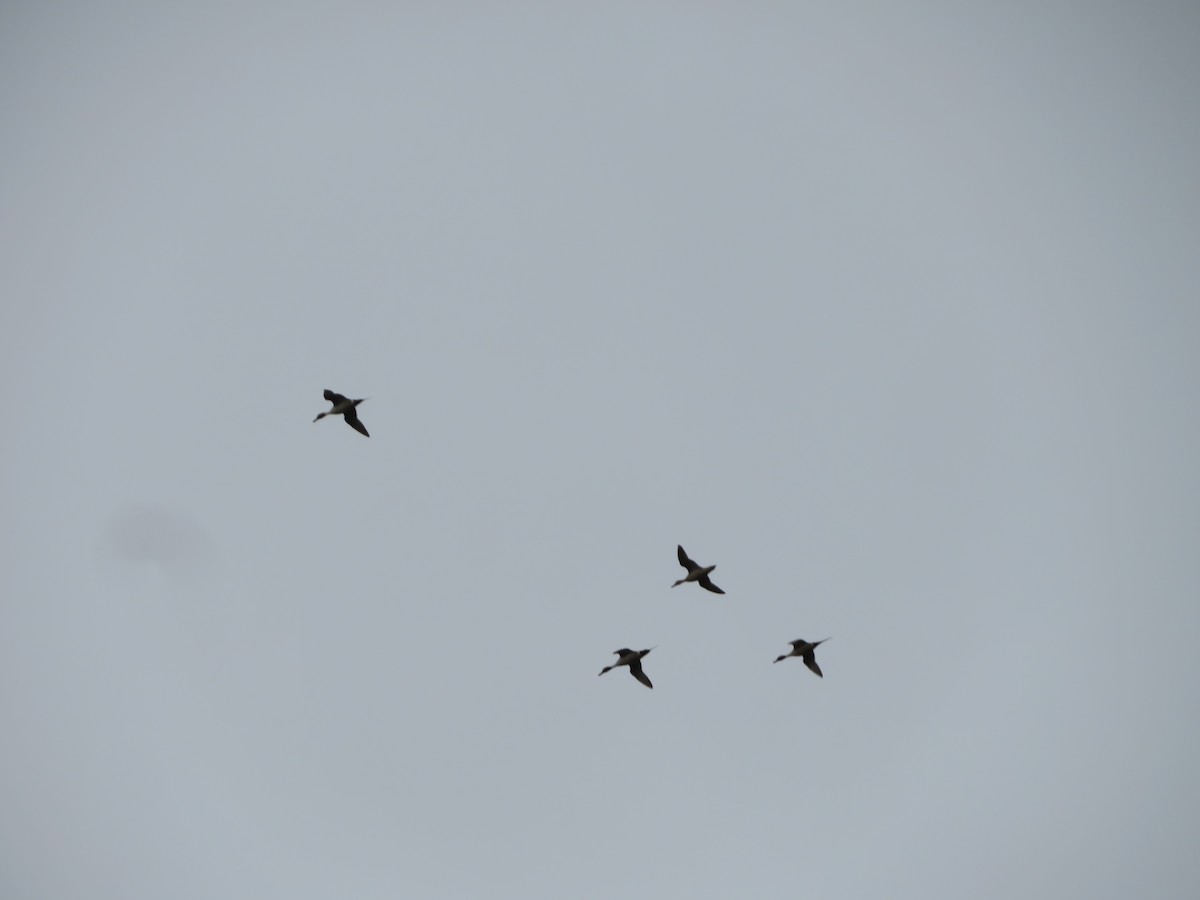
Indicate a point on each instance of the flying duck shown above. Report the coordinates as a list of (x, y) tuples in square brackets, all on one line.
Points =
[(344, 407), (696, 573), (633, 659), (804, 650)]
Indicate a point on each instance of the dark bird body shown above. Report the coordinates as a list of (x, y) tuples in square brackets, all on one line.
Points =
[(633, 659), (346, 408), (806, 652), (696, 573)]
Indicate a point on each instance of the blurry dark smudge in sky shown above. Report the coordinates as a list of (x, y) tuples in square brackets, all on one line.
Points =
[(172, 540)]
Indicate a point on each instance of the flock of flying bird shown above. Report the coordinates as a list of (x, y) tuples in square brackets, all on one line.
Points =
[(806, 650)]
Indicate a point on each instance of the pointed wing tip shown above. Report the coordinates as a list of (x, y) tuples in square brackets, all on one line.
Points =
[(354, 422), (636, 670)]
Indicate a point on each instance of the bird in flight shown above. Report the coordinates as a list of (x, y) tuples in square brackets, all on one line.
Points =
[(633, 659), (805, 651), (344, 407), (696, 573)]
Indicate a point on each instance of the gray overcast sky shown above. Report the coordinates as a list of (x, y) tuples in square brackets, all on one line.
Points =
[(890, 310)]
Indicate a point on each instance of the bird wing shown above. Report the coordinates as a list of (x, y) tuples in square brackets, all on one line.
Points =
[(635, 669), (334, 397), (811, 661), (704, 582), (688, 564), (351, 418), (624, 651)]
